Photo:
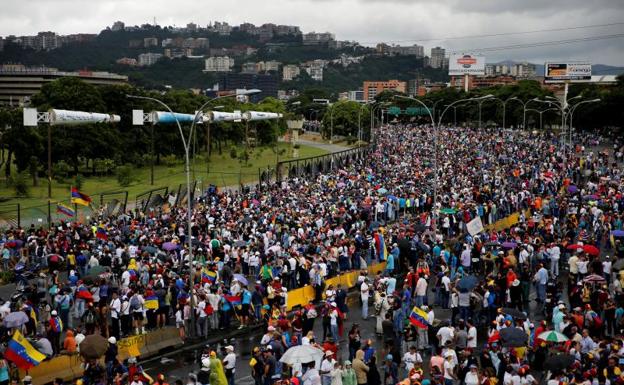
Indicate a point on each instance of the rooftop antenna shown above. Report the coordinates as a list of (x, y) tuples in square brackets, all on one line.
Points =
[(154, 21)]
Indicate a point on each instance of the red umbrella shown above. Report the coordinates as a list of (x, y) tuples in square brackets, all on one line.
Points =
[(574, 246), (85, 294), (591, 249)]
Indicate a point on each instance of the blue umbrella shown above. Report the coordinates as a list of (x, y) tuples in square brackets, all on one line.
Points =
[(392, 197), (572, 189), (241, 278), (509, 245), (467, 283), (618, 233), (168, 246)]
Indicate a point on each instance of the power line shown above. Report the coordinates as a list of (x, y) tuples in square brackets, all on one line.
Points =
[(504, 33), (543, 43)]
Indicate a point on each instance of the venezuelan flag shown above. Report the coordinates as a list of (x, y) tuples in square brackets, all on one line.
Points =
[(62, 209), (21, 353), (234, 300), (151, 302), (101, 233), (56, 324), (79, 198), (418, 318), (209, 276), (381, 246)]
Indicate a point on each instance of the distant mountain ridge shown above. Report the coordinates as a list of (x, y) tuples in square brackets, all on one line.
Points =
[(597, 69)]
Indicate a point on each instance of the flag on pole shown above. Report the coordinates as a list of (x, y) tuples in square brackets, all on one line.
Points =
[(79, 198), (21, 353), (418, 318), (101, 233), (234, 300), (62, 209)]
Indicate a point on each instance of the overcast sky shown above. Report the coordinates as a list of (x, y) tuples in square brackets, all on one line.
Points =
[(367, 21)]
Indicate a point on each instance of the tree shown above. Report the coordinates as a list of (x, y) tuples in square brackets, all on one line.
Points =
[(346, 117)]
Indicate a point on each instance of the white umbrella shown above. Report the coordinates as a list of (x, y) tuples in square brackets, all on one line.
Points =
[(552, 336), (302, 354)]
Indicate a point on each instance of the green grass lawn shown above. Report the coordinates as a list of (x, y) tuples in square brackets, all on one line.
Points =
[(223, 171)]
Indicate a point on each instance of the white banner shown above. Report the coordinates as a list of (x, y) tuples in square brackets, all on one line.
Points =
[(466, 64), (475, 226)]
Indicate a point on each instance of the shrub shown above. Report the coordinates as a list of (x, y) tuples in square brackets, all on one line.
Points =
[(169, 160), (19, 182), (124, 176), (60, 171), (233, 153)]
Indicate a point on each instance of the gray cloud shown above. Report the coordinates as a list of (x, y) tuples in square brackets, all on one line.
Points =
[(367, 21)]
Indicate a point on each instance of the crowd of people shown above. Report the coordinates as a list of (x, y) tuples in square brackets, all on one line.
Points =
[(131, 274)]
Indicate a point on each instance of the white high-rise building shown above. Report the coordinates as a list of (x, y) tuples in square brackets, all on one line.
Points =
[(219, 64)]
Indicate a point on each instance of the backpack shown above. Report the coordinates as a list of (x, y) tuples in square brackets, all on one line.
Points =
[(135, 304)]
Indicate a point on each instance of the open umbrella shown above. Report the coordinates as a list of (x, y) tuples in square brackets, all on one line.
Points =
[(594, 278), (618, 233), (93, 346), (509, 245), (513, 337), (382, 191), (240, 244), (150, 249), (558, 362), (44, 346), (514, 313), (97, 270), (619, 264), (572, 189), (15, 319), (448, 210), (241, 278), (552, 336), (467, 283), (168, 246), (574, 246), (302, 354), (591, 249)]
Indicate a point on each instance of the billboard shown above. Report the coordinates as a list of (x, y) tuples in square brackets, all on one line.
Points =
[(567, 72), (466, 64)]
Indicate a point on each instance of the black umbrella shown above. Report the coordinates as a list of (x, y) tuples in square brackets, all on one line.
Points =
[(513, 337), (514, 313), (558, 362), (467, 283)]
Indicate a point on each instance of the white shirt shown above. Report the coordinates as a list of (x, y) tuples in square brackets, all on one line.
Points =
[(364, 290), (230, 361), (446, 281), (446, 334), (472, 337), (410, 359), (115, 307)]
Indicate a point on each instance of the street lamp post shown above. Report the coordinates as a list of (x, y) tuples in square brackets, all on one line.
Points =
[(572, 117), (372, 118), (331, 124), (360, 123), (541, 113)]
